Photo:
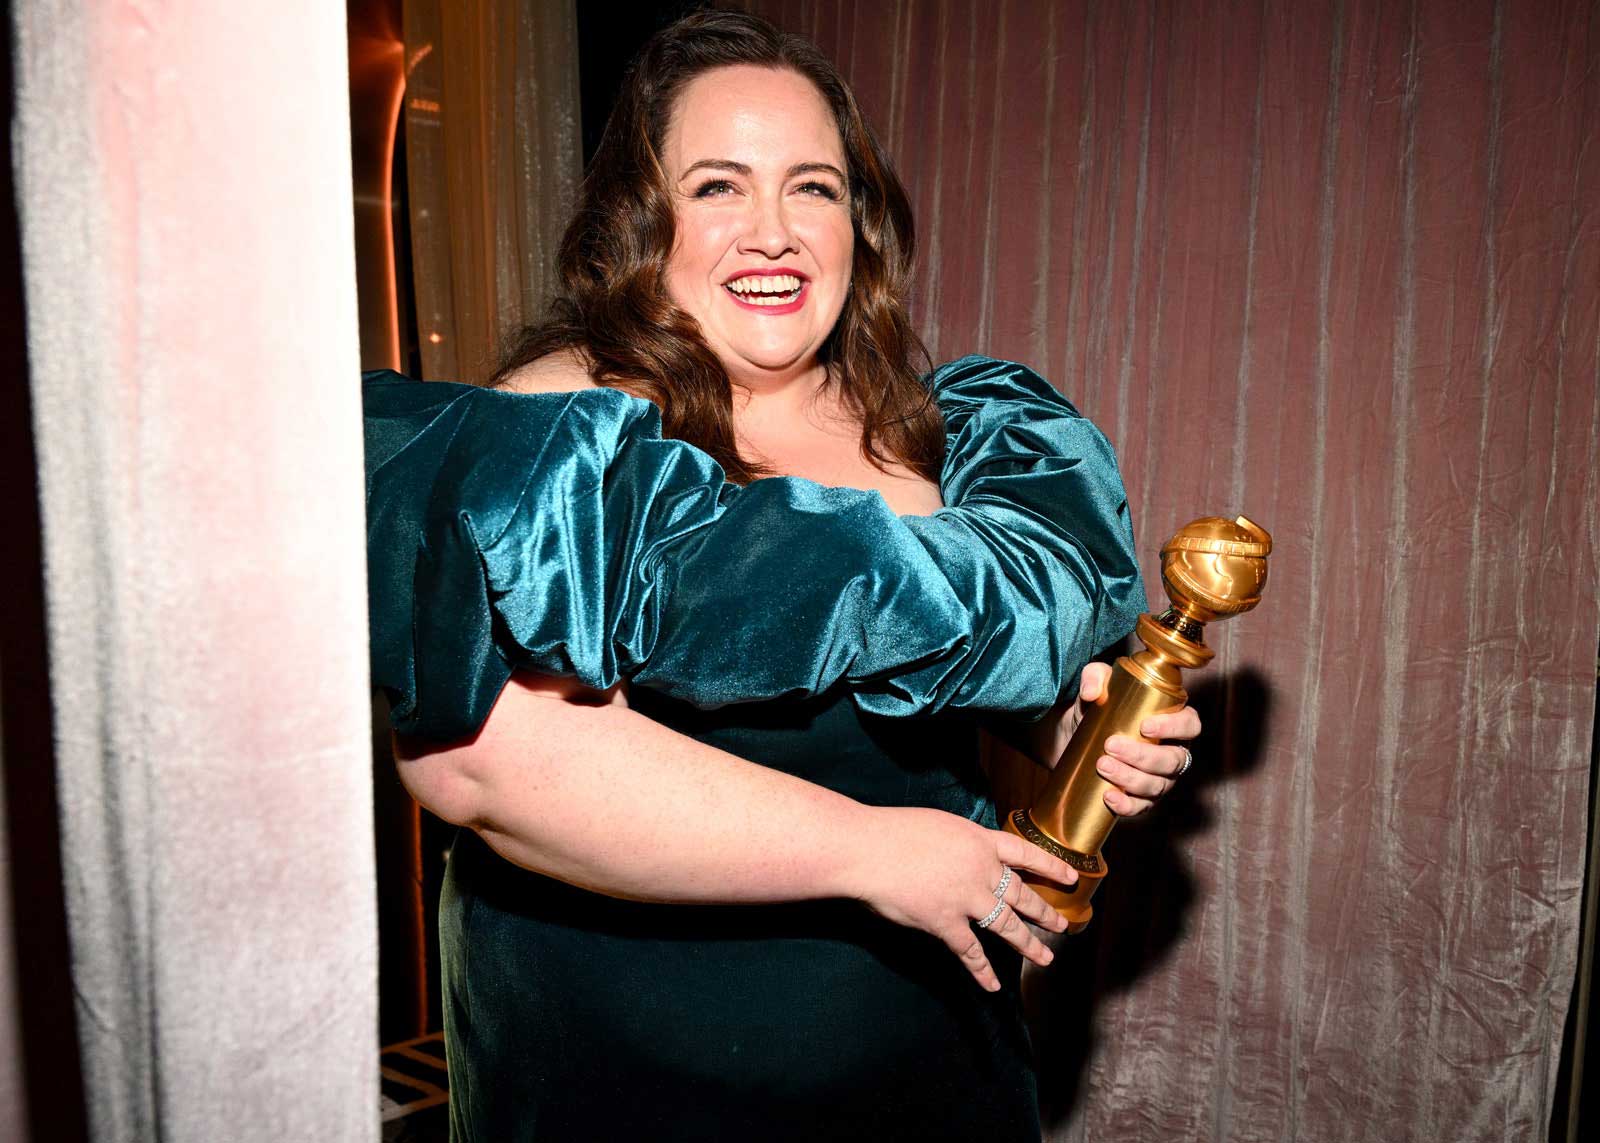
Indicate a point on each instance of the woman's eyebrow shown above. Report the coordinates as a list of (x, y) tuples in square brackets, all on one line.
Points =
[(745, 169), (817, 168), (715, 165)]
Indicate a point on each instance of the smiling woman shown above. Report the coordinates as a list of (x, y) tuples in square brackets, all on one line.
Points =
[(652, 924)]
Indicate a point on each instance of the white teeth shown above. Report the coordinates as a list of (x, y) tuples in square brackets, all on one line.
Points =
[(753, 285)]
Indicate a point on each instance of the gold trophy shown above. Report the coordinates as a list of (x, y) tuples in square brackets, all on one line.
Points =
[(1212, 569)]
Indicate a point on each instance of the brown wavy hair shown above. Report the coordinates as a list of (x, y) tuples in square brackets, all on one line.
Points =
[(613, 308)]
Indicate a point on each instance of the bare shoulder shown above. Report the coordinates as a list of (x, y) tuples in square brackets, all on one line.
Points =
[(561, 372)]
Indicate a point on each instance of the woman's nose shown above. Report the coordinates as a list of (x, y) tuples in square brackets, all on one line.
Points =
[(768, 231)]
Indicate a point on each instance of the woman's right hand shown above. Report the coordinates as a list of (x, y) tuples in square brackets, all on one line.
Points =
[(935, 871)]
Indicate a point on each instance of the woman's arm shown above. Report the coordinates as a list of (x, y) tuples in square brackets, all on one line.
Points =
[(575, 785)]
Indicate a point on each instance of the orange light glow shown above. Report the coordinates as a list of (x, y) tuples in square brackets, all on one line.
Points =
[(420, 104), (436, 337)]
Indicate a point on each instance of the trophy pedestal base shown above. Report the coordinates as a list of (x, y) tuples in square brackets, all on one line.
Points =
[(1071, 901)]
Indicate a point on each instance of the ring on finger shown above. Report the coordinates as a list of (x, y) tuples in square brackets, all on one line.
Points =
[(994, 915), (1188, 760), (1005, 883)]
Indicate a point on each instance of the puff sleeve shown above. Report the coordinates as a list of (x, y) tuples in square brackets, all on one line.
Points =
[(1035, 540), (561, 533)]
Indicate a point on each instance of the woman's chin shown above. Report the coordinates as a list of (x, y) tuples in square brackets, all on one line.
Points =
[(768, 360)]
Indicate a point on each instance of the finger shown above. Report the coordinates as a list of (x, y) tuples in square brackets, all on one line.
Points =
[(963, 941), (1032, 907), (1011, 928), (1137, 752), (1125, 805), (1020, 854), (1142, 780), (1092, 683), (1180, 724), (1153, 758)]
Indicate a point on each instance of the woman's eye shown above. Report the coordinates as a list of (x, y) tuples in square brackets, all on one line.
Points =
[(822, 190), (713, 188)]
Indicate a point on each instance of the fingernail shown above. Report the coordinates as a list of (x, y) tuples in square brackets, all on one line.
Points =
[(993, 986), (1047, 957), (1103, 768)]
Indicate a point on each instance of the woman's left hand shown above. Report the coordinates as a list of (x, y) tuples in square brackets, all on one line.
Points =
[(1139, 772)]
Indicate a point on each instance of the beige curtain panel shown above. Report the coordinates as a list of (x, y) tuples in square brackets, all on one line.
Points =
[(493, 157), (1332, 265)]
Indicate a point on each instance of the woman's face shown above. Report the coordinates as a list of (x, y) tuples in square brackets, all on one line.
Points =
[(764, 243)]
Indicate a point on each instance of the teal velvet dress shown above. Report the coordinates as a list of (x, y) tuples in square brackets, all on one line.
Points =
[(796, 626)]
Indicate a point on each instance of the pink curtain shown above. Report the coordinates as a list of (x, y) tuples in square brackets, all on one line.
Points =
[(1338, 267)]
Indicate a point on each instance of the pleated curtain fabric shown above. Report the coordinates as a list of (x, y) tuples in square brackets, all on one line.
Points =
[(493, 158), (1336, 266)]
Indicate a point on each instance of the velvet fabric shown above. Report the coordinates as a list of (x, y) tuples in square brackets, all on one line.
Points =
[(560, 533)]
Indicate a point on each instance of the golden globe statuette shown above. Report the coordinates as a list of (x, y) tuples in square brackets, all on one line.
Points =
[(1212, 569)]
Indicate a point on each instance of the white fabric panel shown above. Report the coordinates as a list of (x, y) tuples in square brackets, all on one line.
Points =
[(184, 187)]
